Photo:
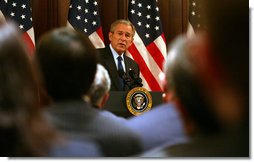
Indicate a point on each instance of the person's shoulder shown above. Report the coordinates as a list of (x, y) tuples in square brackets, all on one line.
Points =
[(76, 148), (158, 114)]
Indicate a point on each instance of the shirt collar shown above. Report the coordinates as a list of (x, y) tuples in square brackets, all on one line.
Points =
[(115, 54)]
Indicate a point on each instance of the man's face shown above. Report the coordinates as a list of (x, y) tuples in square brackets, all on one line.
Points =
[(121, 38)]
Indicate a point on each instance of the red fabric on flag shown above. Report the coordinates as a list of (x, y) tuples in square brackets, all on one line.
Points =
[(29, 43)]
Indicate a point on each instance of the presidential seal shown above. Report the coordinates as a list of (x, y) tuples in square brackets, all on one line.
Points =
[(138, 100)]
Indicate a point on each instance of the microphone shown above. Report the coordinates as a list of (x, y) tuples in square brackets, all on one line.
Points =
[(120, 73), (137, 80), (124, 77)]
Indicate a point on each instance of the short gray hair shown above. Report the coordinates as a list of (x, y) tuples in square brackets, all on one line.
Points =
[(101, 85)]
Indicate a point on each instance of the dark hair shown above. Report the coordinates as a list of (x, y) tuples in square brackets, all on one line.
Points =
[(23, 130), (68, 63)]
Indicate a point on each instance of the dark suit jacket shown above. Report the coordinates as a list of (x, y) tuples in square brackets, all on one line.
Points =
[(78, 120), (106, 59)]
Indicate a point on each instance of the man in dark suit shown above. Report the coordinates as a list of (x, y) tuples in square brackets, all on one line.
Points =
[(123, 71)]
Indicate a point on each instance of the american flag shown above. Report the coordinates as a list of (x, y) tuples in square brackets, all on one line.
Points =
[(149, 46), (84, 16), (19, 12), (194, 17)]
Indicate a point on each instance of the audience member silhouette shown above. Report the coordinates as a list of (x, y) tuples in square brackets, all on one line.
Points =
[(68, 63), (163, 124), (221, 69), (99, 90), (24, 132)]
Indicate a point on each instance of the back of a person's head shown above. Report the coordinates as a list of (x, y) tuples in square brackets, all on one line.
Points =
[(182, 81), (23, 132), (18, 86), (68, 63), (100, 86)]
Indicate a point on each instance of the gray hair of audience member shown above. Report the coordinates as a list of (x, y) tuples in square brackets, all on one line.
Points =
[(182, 80), (100, 86)]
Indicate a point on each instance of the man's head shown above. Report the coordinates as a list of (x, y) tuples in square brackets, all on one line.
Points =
[(121, 35), (68, 63), (99, 91)]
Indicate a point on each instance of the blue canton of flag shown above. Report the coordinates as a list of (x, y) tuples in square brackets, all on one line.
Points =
[(84, 16), (20, 12)]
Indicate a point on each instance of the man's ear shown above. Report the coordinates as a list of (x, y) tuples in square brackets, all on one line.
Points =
[(168, 95), (110, 35), (104, 100)]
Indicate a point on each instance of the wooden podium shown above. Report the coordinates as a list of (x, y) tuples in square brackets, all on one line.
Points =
[(117, 102)]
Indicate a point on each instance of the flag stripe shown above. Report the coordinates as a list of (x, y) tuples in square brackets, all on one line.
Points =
[(29, 43), (96, 40), (148, 76), (149, 41), (100, 34), (156, 54), (150, 63)]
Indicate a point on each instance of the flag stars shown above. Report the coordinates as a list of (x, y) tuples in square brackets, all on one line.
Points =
[(70, 6), (95, 13), (139, 14), (157, 18), (86, 10), (139, 23), (85, 21), (193, 13), (133, 11), (79, 7), (95, 3), (157, 8), (157, 28), (148, 7), (193, 3), (87, 1), (78, 17), (23, 16), (23, 6), (21, 26), (94, 23), (148, 16), (147, 35), (14, 4), (147, 26), (12, 14), (85, 30), (133, 2), (139, 5)]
